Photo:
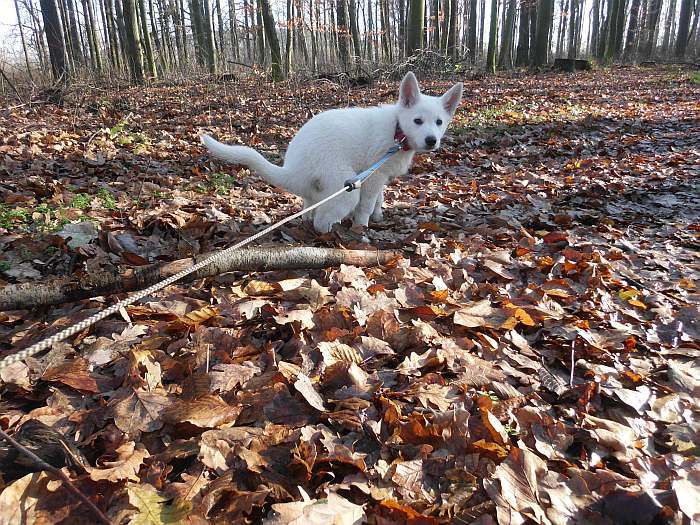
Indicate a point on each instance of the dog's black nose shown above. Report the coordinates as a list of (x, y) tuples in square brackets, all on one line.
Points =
[(430, 141)]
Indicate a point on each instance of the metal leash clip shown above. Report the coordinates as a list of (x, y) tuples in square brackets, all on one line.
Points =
[(355, 182)]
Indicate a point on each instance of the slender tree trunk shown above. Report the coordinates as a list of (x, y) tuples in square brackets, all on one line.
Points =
[(354, 27), (544, 25), (271, 36), (452, 28), (683, 28), (414, 40), (533, 30), (560, 31), (620, 28), (24, 43), (149, 62), (471, 38), (482, 26), (246, 29), (343, 34), (668, 27), (386, 30), (76, 51), (233, 29), (505, 58), (493, 38), (260, 30), (521, 56), (435, 24), (132, 41), (54, 39), (632, 32), (288, 43)]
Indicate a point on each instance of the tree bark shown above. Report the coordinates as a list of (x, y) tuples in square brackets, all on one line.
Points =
[(668, 26), (58, 291), (132, 41), (54, 39), (414, 31), (493, 38), (452, 27), (471, 38), (148, 47), (683, 28), (76, 51), (354, 28), (271, 35), (505, 58), (544, 24), (521, 56), (632, 32), (24, 43), (343, 34)]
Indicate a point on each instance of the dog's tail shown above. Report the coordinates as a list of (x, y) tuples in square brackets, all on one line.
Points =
[(275, 175)]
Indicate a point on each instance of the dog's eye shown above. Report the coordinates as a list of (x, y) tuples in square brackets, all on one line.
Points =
[(418, 121), (438, 122)]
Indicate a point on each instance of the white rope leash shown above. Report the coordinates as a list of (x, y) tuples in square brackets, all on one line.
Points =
[(350, 185)]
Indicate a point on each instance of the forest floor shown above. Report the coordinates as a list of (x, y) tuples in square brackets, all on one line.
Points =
[(534, 357)]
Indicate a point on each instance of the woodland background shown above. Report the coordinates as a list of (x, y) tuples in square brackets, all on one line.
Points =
[(154, 38)]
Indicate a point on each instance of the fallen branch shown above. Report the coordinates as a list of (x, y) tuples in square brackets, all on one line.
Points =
[(59, 474), (63, 290)]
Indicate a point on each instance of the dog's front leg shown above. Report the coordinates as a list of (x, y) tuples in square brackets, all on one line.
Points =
[(371, 191), (378, 214)]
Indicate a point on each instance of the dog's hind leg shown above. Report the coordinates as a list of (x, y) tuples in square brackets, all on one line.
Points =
[(335, 211)]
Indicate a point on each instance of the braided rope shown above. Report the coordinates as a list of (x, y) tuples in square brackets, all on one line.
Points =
[(82, 325)]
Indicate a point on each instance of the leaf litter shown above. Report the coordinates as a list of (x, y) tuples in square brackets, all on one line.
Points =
[(532, 358)]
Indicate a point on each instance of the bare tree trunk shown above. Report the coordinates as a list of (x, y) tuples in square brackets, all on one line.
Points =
[(89, 16), (632, 32), (505, 59), (271, 34), (246, 28), (452, 30), (471, 38), (260, 31), (668, 27), (148, 48), (58, 291), (521, 56), (343, 35), (386, 31), (414, 41), (288, 43), (683, 28), (24, 43), (493, 38), (354, 29), (560, 32), (233, 29), (54, 39), (132, 41), (533, 30), (435, 23), (76, 51), (544, 24)]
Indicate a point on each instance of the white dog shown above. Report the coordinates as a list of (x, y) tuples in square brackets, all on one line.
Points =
[(336, 145)]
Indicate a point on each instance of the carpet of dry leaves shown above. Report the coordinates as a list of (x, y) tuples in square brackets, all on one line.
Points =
[(533, 358)]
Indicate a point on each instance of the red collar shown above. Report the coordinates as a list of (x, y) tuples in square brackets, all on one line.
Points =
[(400, 137)]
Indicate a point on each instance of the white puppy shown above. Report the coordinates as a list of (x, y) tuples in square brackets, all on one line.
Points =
[(336, 145)]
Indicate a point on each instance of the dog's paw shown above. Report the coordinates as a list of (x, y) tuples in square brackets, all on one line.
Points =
[(377, 216)]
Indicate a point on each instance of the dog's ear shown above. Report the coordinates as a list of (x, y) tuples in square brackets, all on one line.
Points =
[(452, 98), (409, 90)]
